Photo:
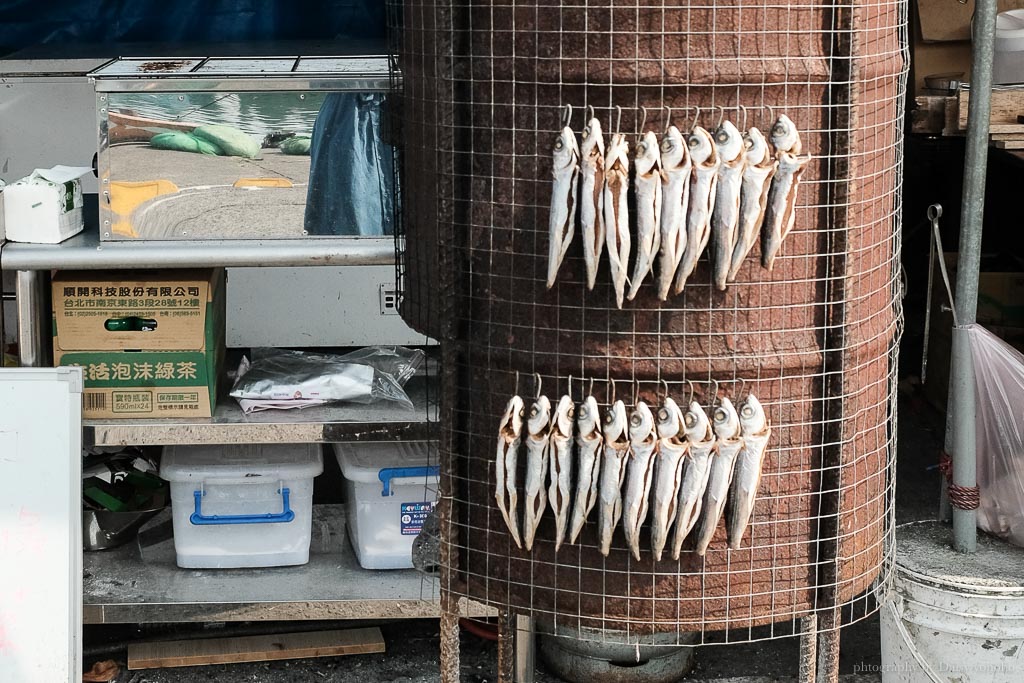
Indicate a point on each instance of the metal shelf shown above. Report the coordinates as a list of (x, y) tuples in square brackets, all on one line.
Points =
[(381, 421), (140, 582), (84, 251)]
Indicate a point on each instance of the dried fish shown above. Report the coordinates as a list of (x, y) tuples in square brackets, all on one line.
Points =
[(696, 472), (538, 431), (726, 216), (756, 430), (560, 460), (780, 212), (591, 192), (728, 445), (616, 212), (668, 473), (703, 188), (675, 196), (561, 222), (757, 177), (509, 436), (588, 445), (647, 183), (643, 442), (613, 472)]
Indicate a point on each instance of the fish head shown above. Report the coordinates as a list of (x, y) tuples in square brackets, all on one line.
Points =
[(618, 153), (588, 417), (727, 422), (593, 139), (512, 420), (702, 147), (784, 135), (641, 423), (648, 155), (752, 418), (615, 423), (566, 152), (565, 411), (758, 151), (539, 418), (698, 426), (670, 419), (729, 142), (673, 149)]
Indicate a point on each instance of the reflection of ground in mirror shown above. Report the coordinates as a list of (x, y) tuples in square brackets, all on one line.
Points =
[(208, 206)]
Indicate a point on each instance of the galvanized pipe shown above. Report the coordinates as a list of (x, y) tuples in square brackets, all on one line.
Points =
[(961, 397), (33, 318)]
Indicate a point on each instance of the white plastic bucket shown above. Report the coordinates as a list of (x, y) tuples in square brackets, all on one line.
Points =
[(1008, 59), (951, 617), (241, 506)]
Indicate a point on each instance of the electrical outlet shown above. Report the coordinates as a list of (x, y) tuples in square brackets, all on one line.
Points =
[(388, 300)]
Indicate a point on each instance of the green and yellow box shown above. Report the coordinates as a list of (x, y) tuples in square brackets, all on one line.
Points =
[(150, 343)]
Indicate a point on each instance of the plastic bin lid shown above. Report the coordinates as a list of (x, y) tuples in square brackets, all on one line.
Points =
[(363, 462), (282, 461), (1010, 31)]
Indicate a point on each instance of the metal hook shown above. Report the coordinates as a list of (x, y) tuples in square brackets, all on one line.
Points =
[(568, 115), (590, 112), (743, 385), (664, 383), (537, 384), (771, 115), (636, 391), (690, 400), (721, 116), (643, 122), (743, 110), (569, 393), (517, 383), (696, 118), (618, 121), (590, 392), (714, 394), (668, 117), (611, 401)]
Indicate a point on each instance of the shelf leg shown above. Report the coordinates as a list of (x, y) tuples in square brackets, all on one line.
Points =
[(33, 294), (526, 640), (506, 646), (828, 653), (449, 637), (808, 648)]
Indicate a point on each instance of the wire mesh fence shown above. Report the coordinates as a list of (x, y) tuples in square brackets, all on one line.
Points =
[(482, 96)]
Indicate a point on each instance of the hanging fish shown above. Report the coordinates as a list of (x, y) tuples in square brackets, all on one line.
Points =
[(560, 460), (728, 443), (703, 187), (647, 183), (643, 442), (616, 212), (675, 196), (780, 212), (668, 473), (757, 177), (538, 431), (746, 478), (726, 216), (588, 445), (696, 472), (591, 192), (562, 218), (509, 436), (613, 472)]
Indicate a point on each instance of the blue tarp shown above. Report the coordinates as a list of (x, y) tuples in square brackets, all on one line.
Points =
[(29, 22)]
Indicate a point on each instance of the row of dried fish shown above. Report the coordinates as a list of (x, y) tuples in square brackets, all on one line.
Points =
[(696, 468), (723, 188)]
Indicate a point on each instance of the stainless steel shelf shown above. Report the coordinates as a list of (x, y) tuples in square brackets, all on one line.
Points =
[(85, 252), (140, 583), (381, 421)]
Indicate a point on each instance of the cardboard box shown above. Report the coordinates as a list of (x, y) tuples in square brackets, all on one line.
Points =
[(151, 343)]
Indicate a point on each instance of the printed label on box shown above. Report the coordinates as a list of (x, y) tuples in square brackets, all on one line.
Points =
[(413, 516), (132, 401)]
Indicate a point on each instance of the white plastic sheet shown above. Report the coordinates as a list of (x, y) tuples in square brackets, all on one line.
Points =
[(999, 417)]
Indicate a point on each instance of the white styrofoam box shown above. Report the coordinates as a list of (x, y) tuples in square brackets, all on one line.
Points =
[(46, 206), (390, 490), (241, 506)]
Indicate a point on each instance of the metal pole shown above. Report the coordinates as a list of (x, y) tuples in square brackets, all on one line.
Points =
[(33, 318), (961, 398), (525, 654)]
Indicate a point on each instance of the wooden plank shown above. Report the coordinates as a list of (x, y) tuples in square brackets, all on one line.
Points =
[(1007, 136), (1007, 104), (1008, 144), (175, 653), (1017, 128)]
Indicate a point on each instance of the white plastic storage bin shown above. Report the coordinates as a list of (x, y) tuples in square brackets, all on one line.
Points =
[(241, 506), (390, 489), (1008, 57)]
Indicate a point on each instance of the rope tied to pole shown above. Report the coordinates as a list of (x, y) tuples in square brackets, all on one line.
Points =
[(961, 497)]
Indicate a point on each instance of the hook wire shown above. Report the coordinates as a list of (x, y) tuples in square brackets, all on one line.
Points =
[(771, 116), (743, 111), (664, 383), (668, 117), (537, 384), (569, 393), (590, 112), (714, 394), (612, 401), (696, 118), (721, 116), (690, 400), (643, 122), (517, 383), (568, 116), (590, 392), (618, 121)]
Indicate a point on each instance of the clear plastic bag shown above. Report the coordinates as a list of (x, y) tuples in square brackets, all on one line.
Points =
[(277, 377), (999, 419)]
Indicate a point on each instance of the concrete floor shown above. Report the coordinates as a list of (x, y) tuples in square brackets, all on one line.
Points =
[(412, 654)]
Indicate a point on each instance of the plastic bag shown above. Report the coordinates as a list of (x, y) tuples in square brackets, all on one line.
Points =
[(282, 379), (184, 142), (296, 145), (999, 420), (231, 141)]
